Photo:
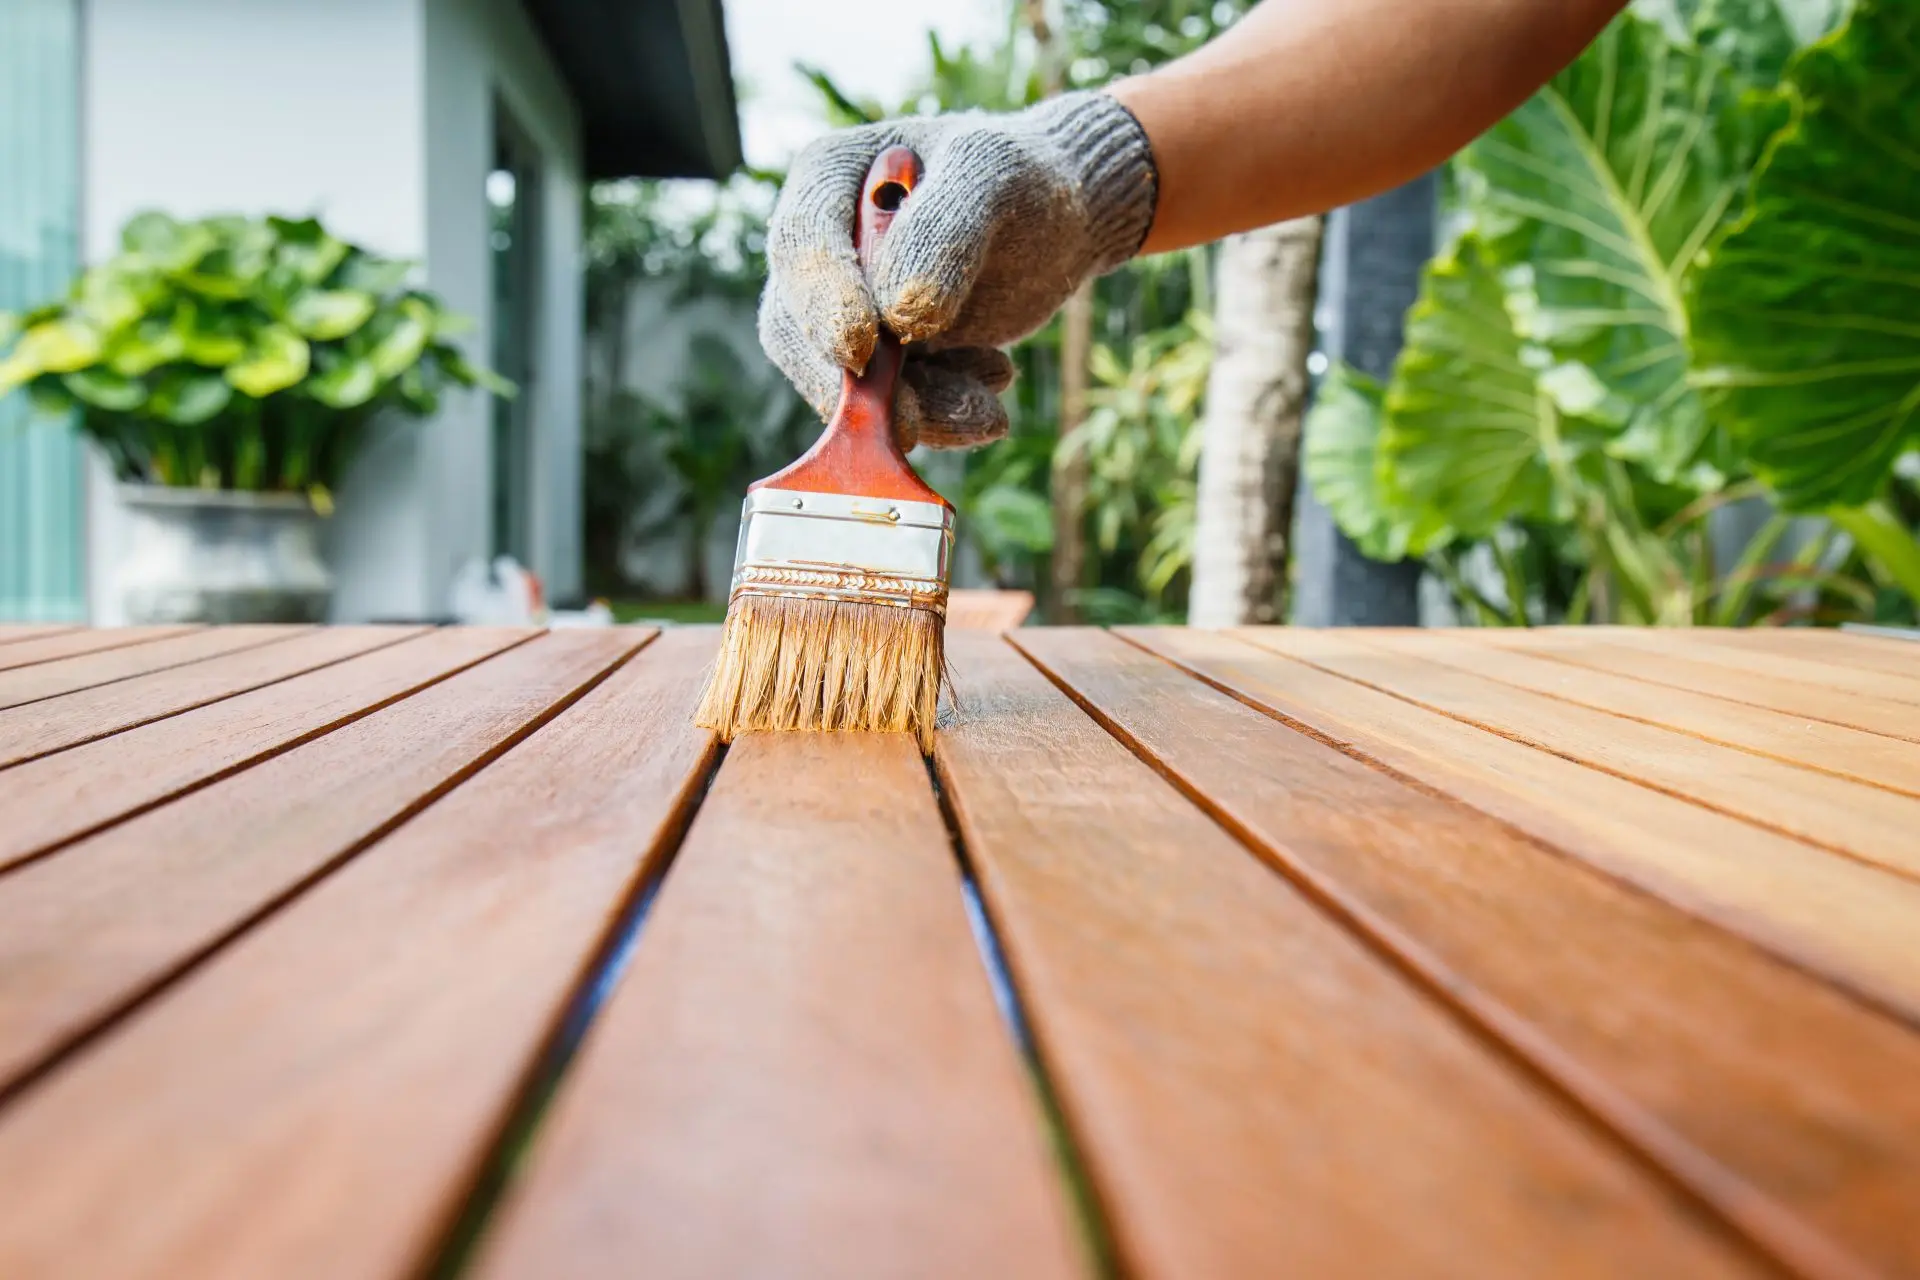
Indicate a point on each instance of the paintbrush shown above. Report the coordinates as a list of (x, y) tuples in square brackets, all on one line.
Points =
[(837, 616)]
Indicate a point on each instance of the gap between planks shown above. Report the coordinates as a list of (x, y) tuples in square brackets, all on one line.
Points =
[(1698, 1051), (87, 935)]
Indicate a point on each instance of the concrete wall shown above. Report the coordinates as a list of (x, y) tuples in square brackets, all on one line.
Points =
[(376, 115)]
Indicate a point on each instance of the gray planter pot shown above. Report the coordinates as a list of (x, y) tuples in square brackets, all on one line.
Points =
[(202, 555)]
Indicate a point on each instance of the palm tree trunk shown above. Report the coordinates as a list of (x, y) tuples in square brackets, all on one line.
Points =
[(1250, 446), (1069, 488)]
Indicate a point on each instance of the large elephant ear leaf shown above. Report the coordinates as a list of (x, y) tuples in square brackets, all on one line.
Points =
[(1611, 180), (1340, 456), (1467, 426), (1807, 315)]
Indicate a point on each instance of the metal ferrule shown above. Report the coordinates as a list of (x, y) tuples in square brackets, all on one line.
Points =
[(845, 547)]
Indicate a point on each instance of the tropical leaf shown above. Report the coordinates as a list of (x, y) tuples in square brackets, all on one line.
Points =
[(189, 398), (148, 345), (1608, 184), (348, 384), (1468, 429), (404, 337), (277, 359), (328, 314), (1807, 315), (60, 345), (105, 389), (1339, 456)]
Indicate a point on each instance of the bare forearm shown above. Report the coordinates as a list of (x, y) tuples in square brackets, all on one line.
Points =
[(1310, 104)]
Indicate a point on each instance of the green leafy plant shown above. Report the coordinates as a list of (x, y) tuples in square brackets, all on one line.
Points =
[(237, 353), (1677, 283)]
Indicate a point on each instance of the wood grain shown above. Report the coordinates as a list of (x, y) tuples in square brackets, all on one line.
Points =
[(1868, 823), (1781, 893), (51, 679), (1257, 1092), (1779, 1100), (67, 644), (41, 728), (1836, 648), (1768, 665), (72, 793), (85, 934), (1811, 744), (802, 1073), (313, 1101), (14, 632), (1696, 668), (988, 610)]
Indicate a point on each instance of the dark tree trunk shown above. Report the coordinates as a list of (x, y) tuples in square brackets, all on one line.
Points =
[(1370, 275)]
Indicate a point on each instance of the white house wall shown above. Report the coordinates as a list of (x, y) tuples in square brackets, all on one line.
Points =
[(476, 49)]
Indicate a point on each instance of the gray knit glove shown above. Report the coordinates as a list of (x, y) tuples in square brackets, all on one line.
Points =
[(1013, 213)]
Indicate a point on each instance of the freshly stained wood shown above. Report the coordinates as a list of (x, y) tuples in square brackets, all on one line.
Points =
[(1257, 1092), (1767, 662), (1695, 1046), (805, 985), (13, 632), (1784, 894), (71, 793), (1695, 668), (1813, 744), (67, 644), (50, 679), (1871, 824), (988, 610), (38, 729), (85, 933), (314, 1101)]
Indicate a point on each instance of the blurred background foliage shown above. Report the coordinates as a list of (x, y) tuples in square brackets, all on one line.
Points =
[(1665, 368), (1680, 286)]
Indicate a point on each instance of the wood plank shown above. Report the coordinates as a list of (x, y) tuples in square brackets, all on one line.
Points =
[(1699, 671), (988, 610), (73, 793), (1811, 744), (51, 679), (1257, 1092), (86, 934), (315, 1100), (1779, 892), (1787, 1105), (13, 632), (1865, 822), (68, 644), (1836, 648), (803, 1073), (42, 728), (1765, 665)]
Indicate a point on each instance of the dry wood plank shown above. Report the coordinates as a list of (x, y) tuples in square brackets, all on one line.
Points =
[(803, 1073), (85, 934), (13, 632), (1837, 648), (42, 728), (1256, 1091), (1787, 1105), (1696, 667), (315, 1100), (68, 644), (51, 679), (1781, 893), (72, 793), (988, 610), (1701, 642), (1865, 822), (1812, 744)]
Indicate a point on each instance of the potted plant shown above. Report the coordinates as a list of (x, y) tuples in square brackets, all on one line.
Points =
[(228, 368)]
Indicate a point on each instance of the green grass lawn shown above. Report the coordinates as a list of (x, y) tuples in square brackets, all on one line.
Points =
[(685, 612)]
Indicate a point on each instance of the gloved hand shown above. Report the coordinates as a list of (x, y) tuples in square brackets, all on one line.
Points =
[(1012, 214)]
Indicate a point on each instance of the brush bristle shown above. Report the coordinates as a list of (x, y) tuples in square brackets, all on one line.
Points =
[(789, 663)]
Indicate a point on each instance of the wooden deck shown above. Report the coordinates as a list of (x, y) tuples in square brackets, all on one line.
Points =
[(387, 952)]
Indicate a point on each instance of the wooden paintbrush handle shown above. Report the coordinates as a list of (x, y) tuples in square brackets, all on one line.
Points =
[(856, 454)]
